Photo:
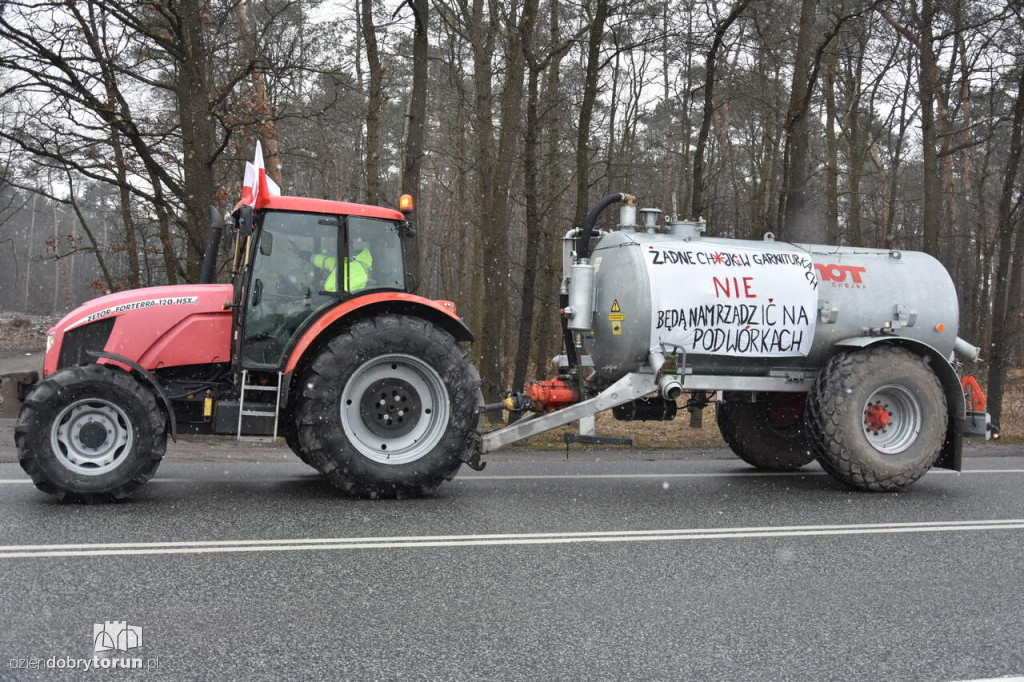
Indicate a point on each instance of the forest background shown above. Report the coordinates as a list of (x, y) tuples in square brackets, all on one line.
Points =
[(895, 124)]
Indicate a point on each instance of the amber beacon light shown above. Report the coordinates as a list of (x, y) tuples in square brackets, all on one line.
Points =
[(405, 204)]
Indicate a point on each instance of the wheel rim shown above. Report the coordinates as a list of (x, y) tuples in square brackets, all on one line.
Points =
[(91, 436), (892, 419), (394, 409)]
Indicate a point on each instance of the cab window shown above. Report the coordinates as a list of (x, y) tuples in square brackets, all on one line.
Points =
[(288, 283)]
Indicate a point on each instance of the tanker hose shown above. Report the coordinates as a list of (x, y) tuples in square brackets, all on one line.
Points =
[(595, 213)]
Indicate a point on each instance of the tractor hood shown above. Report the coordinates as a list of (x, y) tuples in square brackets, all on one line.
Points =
[(155, 327)]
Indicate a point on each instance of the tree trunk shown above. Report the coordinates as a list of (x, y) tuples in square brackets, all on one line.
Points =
[(198, 133), (553, 191), (831, 154), (797, 222), (1004, 307), (710, 64), (932, 199), (594, 40), (264, 109), (534, 233), (373, 104), (415, 120)]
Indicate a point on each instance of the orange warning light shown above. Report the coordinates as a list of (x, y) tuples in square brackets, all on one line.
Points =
[(940, 327), (405, 203)]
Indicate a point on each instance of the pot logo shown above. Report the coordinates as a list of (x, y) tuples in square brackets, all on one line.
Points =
[(847, 276)]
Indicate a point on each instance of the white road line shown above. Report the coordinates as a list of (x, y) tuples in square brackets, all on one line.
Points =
[(738, 473), (306, 544)]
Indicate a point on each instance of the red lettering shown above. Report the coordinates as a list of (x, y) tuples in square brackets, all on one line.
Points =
[(838, 273), (746, 287), (725, 288)]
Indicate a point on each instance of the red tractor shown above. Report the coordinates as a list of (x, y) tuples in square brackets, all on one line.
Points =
[(318, 339)]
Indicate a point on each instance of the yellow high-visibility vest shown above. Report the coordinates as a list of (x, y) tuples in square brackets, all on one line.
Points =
[(356, 281)]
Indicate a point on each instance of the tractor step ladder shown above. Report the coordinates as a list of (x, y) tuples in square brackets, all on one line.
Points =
[(258, 409)]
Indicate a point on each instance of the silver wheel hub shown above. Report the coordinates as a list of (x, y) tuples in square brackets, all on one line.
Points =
[(395, 409), (892, 419), (91, 436)]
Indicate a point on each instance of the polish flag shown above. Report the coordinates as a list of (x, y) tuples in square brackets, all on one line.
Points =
[(257, 188)]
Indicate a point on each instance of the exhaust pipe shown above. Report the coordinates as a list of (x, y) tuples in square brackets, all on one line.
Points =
[(206, 275)]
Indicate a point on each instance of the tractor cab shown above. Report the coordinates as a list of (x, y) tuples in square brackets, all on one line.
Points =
[(296, 258)]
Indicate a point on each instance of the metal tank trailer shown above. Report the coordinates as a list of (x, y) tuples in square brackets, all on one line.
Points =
[(842, 354)]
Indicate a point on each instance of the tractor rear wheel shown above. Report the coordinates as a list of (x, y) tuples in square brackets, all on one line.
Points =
[(291, 439), (878, 417), (389, 407), (90, 434), (769, 433)]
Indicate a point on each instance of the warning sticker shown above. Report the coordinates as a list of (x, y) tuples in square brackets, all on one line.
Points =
[(616, 315)]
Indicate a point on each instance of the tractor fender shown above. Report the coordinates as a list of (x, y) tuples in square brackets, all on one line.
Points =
[(952, 448), (146, 376), (440, 313)]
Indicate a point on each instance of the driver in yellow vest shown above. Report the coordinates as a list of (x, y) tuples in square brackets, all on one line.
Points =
[(357, 277)]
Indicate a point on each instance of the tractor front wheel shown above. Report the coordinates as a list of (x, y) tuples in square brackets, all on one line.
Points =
[(90, 434), (389, 407)]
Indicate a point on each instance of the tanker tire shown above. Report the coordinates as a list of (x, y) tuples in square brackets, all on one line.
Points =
[(292, 440), (319, 410), (747, 429), (116, 393), (835, 417)]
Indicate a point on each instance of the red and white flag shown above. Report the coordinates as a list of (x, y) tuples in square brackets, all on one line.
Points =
[(257, 188)]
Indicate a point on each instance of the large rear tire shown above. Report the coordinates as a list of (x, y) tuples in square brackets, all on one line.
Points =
[(90, 434), (389, 407), (767, 434), (291, 439), (878, 417)]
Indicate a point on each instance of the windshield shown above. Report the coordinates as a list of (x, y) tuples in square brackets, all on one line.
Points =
[(287, 285)]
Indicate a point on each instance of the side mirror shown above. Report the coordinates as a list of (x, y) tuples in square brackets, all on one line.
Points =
[(266, 244), (245, 219)]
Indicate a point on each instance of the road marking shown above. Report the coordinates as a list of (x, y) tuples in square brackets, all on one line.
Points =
[(737, 473), (396, 542)]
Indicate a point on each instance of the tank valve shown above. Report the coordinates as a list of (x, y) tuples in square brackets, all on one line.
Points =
[(669, 384)]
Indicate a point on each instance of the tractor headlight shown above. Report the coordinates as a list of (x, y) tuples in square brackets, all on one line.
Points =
[(49, 340)]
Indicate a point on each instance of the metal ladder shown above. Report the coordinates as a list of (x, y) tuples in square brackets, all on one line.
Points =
[(243, 412)]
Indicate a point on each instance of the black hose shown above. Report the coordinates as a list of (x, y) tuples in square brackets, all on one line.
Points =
[(588, 225)]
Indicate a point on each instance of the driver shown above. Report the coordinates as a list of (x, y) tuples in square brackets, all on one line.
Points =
[(359, 275)]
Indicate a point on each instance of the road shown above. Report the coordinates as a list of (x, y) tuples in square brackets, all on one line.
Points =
[(536, 568)]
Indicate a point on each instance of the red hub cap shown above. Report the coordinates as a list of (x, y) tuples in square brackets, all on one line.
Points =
[(877, 417)]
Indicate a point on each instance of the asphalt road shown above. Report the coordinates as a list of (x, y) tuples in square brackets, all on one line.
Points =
[(538, 568)]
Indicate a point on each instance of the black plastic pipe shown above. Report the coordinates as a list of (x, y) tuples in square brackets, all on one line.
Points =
[(595, 213)]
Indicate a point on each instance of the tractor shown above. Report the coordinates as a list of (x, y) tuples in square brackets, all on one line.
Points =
[(318, 339)]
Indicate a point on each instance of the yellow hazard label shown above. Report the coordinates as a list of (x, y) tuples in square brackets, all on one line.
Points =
[(616, 317), (615, 306), (617, 328)]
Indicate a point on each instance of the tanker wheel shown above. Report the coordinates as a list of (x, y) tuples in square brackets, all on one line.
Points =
[(768, 434), (389, 407), (90, 434), (878, 417)]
